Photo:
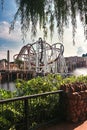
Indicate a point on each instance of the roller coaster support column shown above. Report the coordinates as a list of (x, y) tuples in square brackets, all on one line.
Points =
[(37, 57), (45, 58)]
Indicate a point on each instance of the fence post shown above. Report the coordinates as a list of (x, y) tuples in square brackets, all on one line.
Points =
[(62, 105), (26, 110)]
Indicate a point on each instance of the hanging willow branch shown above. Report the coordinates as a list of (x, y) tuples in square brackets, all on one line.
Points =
[(2, 1), (50, 12)]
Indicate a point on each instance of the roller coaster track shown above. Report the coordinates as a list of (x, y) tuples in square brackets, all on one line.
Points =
[(41, 52)]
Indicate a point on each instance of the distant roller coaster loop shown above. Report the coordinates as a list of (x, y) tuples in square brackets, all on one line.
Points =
[(40, 53)]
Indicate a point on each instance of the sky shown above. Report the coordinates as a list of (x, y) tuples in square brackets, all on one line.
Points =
[(13, 41)]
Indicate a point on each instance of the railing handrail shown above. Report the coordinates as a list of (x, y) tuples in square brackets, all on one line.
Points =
[(28, 97)]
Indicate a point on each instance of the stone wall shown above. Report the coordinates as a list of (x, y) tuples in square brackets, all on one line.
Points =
[(75, 101)]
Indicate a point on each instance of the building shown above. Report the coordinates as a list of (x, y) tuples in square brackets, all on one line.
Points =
[(3, 64), (13, 66), (85, 58), (75, 62)]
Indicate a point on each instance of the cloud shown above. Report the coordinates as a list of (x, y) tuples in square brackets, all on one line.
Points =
[(11, 42), (15, 35), (3, 52), (14, 43)]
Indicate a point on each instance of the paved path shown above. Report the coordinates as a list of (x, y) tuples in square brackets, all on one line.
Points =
[(82, 126), (68, 126)]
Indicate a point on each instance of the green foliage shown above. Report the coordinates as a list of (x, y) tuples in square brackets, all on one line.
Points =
[(49, 83), (4, 123), (19, 62), (73, 79), (70, 79), (13, 113), (4, 94), (37, 85), (82, 79), (48, 12), (84, 55), (9, 116)]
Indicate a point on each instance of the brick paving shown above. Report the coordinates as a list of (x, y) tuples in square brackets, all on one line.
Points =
[(67, 126)]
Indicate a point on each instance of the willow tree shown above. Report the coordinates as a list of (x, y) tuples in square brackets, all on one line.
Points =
[(49, 13)]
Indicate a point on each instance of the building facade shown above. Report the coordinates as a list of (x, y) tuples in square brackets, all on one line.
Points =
[(4, 65), (75, 62)]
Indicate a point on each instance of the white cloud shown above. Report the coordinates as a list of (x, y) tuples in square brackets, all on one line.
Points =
[(70, 49), (80, 46), (3, 53), (15, 35)]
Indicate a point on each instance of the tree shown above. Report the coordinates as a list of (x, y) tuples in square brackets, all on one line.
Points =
[(50, 12), (19, 62), (84, 55)]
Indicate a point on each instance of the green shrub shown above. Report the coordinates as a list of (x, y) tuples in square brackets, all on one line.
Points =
[(13, 114)]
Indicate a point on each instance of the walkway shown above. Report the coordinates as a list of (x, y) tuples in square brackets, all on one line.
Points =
[(68, 126)]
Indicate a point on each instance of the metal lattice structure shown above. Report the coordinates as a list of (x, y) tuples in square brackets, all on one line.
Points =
[(40, 56)]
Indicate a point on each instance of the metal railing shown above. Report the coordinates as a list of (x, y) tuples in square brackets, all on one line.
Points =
[(29, 112)]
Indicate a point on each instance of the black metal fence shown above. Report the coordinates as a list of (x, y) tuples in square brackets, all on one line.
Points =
[(29, 112)]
